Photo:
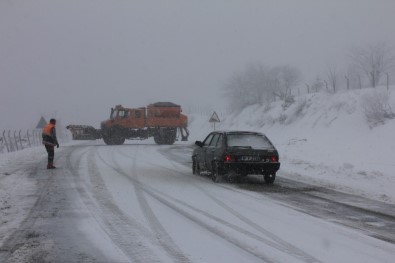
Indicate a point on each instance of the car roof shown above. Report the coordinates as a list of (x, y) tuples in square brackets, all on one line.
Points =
[(237, 132)]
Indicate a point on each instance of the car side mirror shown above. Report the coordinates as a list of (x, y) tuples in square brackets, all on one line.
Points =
[(199, 143)]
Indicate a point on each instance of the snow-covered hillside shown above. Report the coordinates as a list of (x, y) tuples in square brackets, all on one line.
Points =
[(326, 139)]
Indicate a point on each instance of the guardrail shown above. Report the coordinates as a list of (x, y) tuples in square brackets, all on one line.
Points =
[(16, 140)]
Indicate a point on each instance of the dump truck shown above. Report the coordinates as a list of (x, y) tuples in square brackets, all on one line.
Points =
[(161, 120)]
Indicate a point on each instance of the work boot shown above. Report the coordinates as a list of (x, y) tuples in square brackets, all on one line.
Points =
[(50, 166)]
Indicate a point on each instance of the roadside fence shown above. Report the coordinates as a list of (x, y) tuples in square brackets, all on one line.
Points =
[(16, 140)]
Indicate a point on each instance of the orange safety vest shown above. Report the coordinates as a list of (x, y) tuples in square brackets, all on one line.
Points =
[(47, 130)]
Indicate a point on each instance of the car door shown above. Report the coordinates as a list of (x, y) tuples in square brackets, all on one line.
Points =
[(210, 151), (201, 152), (219, 149)]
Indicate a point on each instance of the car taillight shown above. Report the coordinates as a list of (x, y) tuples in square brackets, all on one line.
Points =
[(274, 159), (229, 158)]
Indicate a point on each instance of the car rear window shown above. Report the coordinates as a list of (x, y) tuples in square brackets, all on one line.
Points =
[(248, 140)]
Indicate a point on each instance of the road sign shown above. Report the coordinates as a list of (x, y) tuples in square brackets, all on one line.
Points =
[(41, 123), (214, 118)]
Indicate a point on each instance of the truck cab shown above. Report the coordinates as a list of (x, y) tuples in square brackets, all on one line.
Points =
[(128, 118)]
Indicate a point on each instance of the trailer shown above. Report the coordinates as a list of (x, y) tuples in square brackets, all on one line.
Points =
[(84, 132)]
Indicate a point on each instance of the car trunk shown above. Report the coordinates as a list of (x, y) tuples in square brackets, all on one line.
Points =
[(247, 154)]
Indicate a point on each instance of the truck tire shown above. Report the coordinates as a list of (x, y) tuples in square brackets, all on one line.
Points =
[(113, 136), (158, 139), (165, 136), (118, 140), (107, 140), (169, 136)]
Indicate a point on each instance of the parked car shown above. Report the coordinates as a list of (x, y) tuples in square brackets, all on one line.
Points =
[(229, 154)]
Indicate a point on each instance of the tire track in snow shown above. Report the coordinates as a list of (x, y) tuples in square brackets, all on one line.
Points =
[(127, 234), (159, 237), (274, 240), (18, 239), (23, 244), (164, 199), (164, 239), (374, 218)]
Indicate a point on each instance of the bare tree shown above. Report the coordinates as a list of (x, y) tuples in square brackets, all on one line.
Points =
[(373, 61), (317, 84), (246, 88), (332, 75), (258, 84), (284, 78), (354, 77)]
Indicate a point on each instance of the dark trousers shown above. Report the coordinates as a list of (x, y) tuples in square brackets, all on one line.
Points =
[(51, 153)]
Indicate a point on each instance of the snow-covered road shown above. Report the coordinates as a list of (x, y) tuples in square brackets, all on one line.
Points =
[(139, 202)]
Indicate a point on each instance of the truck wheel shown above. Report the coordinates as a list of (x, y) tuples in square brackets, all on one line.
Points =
[(165, 136), (169, 136), (107, 140), (118, 140), (158, 139)]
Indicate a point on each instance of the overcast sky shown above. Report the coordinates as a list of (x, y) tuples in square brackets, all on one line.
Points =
[(74, 59)]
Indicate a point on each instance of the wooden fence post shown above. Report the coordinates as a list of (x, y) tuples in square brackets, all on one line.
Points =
[(16, 142), (28, 139), (20, 139), (10, 141), (5, 141)]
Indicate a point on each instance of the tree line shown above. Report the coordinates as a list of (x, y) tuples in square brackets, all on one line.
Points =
[(262, 84)]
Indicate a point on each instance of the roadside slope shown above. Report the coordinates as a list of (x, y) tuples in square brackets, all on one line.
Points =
[(325, 139)]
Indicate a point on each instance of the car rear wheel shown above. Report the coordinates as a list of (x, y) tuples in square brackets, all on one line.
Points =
[(269, 178), (231, 177), (215, 174)]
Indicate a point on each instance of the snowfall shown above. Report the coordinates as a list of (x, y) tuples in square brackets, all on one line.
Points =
[(336, 141)]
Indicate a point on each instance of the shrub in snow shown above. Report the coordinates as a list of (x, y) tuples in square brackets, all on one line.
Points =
[(301, 104), (282, 118), (376, 108), (288, 101), (267, 107)]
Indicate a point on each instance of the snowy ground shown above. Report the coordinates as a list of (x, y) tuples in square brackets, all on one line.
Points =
[(140, 203)]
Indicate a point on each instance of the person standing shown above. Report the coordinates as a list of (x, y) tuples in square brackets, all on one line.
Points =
[(50, 141)]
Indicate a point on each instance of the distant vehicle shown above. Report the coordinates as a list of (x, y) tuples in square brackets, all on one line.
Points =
[(160, 120), (230, 154)]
